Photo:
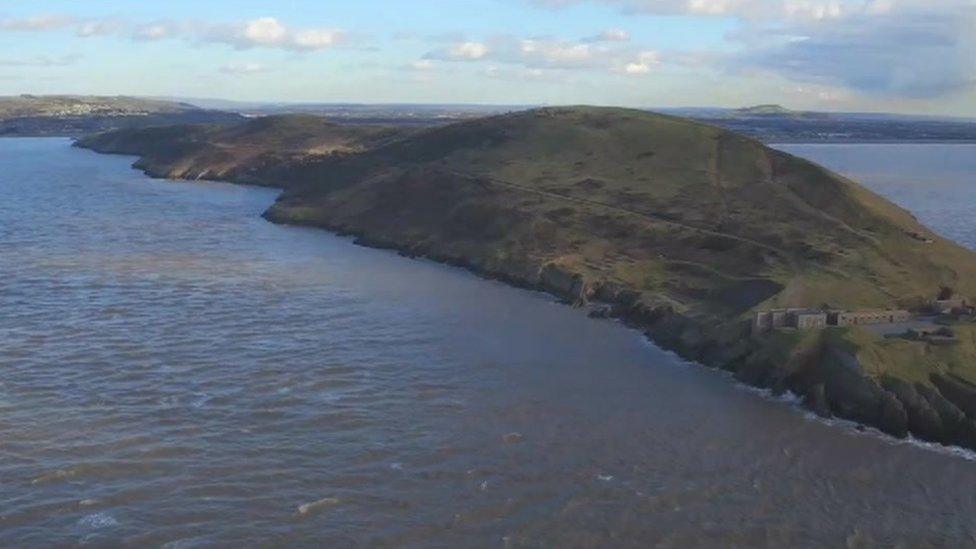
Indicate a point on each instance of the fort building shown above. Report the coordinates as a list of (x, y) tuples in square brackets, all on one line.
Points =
[(777, 319), (813, 319), (859, 318)]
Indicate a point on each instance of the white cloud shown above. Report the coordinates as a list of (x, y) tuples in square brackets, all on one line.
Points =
[(763, 9), (47, 22), (556, 53), (610, 35), (469, 51), (714, 7), (243, 68), (154, 31), (820, 94), (877, 48), (265, 31), (879, 7), (97, 27), (317, 39), (548, 54), (41, 61), (644, 63), (43, 22), (268, 32), (811, 9), (523, 74), (885, 51), (421, 65)]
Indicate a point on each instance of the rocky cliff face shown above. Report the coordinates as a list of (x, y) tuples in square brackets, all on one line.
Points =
[(678, 228)]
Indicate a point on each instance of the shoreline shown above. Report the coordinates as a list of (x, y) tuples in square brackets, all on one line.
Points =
[(823, 381)]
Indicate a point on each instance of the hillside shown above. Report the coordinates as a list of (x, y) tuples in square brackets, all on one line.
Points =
[(682, 228), (67, 115), (248, 152), (624, 194)]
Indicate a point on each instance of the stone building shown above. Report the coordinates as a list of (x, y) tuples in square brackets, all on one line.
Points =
[(778, 319), (812, 319), (762, 322), (860, 318)]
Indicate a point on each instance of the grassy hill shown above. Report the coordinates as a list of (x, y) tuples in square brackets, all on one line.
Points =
[(248, 152), (663, 206), (681, 227), (774, 111)]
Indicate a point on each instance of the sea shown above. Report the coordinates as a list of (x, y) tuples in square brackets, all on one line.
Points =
[(177, 372)]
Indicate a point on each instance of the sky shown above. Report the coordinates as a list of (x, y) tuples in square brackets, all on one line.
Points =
[(911, 56)]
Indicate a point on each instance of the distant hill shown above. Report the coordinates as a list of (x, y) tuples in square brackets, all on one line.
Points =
[(682, 228), (775, 123), (78, 105), (70, 115), (765, 110)]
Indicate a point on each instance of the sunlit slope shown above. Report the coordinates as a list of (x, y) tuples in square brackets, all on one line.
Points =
[(249, 151), (711, 221)]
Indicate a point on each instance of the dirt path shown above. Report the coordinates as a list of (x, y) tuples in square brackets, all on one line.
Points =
[(643, 215)]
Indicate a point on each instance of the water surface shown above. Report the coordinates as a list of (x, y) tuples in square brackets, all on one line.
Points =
[(937, 182), (176, 371)]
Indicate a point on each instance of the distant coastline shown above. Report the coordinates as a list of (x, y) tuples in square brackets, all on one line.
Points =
[(853, 141)]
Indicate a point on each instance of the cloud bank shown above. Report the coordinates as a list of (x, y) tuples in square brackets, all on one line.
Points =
[(885, 49), (891, 48), (263, 32), (608, 51)]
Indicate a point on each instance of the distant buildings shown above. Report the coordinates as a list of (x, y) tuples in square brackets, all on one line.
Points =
[(813, 319)]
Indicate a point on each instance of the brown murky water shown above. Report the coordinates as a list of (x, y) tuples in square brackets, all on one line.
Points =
[(175, 371)]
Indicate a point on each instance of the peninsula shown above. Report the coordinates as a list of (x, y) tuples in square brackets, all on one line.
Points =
[(685, 230)]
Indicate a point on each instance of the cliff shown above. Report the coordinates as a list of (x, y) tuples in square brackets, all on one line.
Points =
[(679, 228)]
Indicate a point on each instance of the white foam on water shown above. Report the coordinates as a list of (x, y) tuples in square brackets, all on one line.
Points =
[(307, 508), (98, 521), (854, 428), (186, 543), (199, 400), (795, 401), (60, 474)]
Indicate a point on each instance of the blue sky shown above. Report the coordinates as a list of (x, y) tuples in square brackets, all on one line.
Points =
[(892, 55)]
